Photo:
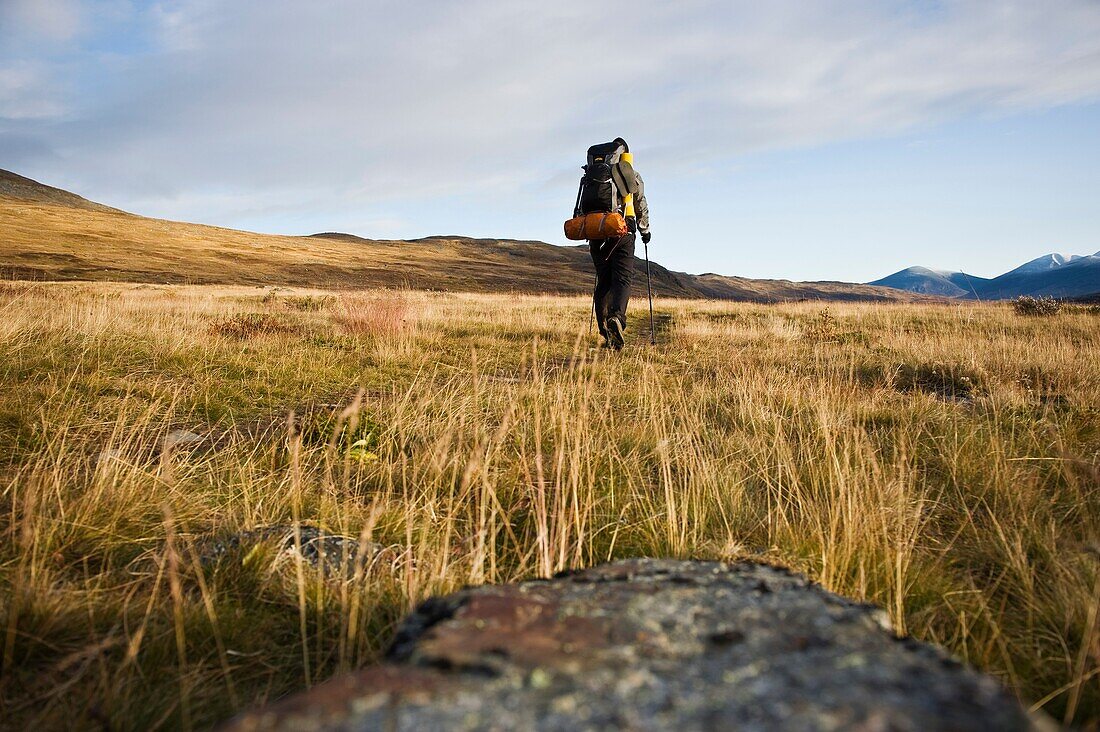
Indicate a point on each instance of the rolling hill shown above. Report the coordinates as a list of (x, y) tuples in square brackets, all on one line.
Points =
[(50, 234)]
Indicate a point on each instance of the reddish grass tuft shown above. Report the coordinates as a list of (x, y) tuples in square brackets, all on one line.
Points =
[(374, 316)]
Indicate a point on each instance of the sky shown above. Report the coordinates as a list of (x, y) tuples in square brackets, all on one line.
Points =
[(828, 140)]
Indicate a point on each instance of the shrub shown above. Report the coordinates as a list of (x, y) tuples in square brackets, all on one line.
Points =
[(250, 325), (1027, 305), (823, 329), (308, 303)]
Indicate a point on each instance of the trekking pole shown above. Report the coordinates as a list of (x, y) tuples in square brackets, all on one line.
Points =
[(592, 311), (628, 211), (649, 286)]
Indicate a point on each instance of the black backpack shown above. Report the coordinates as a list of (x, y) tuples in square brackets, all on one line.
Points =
[(598, 192)]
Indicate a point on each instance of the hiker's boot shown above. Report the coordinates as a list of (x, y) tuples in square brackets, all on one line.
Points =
[(615, 338)]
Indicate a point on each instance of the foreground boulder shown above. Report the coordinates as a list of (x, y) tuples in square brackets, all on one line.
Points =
[(652, 645)]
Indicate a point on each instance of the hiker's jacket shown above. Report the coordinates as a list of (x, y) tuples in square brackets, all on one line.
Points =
[(628, 180)]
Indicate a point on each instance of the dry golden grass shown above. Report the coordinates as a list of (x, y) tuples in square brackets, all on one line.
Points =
[(942, 461)]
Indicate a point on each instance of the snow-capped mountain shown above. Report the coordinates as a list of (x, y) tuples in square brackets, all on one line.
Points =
[(1052, 275), (1046, 262)]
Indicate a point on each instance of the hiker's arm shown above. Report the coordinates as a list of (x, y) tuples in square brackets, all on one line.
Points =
[(641, 208)]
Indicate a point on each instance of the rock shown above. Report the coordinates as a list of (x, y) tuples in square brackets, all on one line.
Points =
[(181, 440), (652, 645), (332, 553)]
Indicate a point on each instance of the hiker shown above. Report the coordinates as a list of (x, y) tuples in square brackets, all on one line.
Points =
[(611, 186)]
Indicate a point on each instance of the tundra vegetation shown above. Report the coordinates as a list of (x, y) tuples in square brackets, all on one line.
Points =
[(942, 461)]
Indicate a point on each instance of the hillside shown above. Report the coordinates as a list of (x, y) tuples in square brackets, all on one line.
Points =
[(16, 186), (723, 287), (50, 234)]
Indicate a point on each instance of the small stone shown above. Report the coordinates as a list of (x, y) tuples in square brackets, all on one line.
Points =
[(177, 439), (332, 553)]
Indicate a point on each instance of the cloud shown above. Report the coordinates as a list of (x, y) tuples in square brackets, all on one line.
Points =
[(52, 20), (26, 94), (284, 104)]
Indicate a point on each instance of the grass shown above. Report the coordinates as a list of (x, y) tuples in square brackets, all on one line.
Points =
[(941, 461)]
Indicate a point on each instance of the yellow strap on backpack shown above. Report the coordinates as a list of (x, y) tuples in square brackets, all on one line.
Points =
[(628, 198)]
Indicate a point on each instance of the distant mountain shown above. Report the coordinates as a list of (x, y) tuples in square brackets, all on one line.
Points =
[(51, 234), (932, 282), (1052, 275), (1076, 277)]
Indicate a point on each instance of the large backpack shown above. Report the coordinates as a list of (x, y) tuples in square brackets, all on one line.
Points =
[(599, 191)]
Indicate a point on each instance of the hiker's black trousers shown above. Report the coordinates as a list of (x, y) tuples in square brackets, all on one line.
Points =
[(614, 260)]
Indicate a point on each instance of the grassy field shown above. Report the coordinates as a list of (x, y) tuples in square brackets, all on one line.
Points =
[(942, 461)]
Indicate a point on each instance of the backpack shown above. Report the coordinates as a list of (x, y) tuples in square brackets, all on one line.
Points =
[(599, 191)]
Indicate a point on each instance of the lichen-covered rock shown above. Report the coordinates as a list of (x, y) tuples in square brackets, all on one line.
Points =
[(652, 645)]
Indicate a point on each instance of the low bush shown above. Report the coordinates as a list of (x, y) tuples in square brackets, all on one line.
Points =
[(1027, 305), (249, 325)]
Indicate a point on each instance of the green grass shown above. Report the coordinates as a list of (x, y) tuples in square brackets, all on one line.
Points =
[(941, 461)]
